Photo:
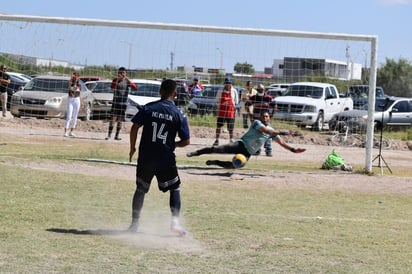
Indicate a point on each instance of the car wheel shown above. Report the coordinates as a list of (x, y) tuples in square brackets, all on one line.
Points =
[(318, 125)]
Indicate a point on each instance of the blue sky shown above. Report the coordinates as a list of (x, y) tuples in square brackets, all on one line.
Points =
[(390, 20)]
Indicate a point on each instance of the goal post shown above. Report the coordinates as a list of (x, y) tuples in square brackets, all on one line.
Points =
[(183, 50)]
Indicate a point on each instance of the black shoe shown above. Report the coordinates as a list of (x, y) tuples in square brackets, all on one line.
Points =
[(216, 143), (132, 228), (117, 138), (269, 154), (210, 162), (193, 153)]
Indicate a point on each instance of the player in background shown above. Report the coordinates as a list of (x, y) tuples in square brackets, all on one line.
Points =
[(250, 142), (162, 122), (121, 87), (195, 88)]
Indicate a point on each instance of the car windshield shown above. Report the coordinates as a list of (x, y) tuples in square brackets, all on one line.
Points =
[(305, 91), (148, 90), (48, 85), (210, 92), (102, 87), (363, 91)]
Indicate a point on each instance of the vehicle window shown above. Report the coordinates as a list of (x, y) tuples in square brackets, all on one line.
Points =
[(48, 85), (401, 106), (102, 88), (148, 90), (333, 92), (210, 92), (379, 92), (305, 91)]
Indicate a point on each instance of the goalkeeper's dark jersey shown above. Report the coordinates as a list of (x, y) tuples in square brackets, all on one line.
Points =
[(162, 121)]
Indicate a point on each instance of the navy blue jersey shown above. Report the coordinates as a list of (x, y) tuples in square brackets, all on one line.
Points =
[(162, 122)]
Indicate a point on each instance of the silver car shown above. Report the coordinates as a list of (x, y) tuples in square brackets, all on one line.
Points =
[(103, 98), (391, 111), (46, 97)]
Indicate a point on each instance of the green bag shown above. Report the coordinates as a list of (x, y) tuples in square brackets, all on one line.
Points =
[(333, 160)]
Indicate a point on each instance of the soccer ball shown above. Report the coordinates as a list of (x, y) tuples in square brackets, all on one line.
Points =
[(239, 160)]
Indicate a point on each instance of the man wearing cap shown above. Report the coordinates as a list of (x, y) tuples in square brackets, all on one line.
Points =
[(227, 98), (4, 82), (195, 88)]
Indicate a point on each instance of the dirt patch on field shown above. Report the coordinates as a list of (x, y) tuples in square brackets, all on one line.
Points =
[(317, 144)]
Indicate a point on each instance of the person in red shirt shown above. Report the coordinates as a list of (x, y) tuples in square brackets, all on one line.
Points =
[(227, 100)]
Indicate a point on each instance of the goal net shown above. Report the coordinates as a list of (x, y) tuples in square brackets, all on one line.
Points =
[(50, 49)]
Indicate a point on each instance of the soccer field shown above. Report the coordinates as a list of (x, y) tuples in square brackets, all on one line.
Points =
[(64, 209)]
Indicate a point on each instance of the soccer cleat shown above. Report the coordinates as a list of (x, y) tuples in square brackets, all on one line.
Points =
[(66, 134), (108, 138), (132, 228), (216, 143), (191, 154), (177, 227), (117, 138), (71, 134)]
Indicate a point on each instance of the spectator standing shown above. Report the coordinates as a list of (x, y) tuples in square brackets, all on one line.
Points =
[(261, 102), (121, 87), (247, 111), (73, 105), (227, 98), (4, 82), (195, 88), (162, 121)]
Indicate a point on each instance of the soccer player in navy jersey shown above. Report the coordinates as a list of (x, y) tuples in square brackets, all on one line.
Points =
[(161, 121)]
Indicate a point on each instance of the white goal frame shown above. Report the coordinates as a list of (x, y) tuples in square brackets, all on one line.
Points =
[(372, 39)]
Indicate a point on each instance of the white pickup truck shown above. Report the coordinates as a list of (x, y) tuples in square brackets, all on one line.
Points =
[(311, 104)]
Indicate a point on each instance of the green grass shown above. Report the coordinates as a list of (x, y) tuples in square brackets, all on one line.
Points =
[(56, 222)]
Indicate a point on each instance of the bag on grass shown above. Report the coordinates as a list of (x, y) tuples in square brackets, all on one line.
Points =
[(333, 160)]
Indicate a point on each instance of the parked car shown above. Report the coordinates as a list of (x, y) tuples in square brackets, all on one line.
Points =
[(147, 91), (90, 78), (276, 90), (206, 102), (103, 98), (21, 76), (397, 111), (311, 104), (46, 97), (359, 94)]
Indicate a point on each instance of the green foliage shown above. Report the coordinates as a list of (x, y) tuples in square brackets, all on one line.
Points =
[(244, 68), (396, 77)]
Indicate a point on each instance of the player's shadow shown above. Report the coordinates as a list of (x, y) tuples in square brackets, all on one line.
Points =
[(66, 138), (107, 232), (88, 231)]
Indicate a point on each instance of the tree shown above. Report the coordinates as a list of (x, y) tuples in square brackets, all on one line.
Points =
[(396, 77), (244, 68)]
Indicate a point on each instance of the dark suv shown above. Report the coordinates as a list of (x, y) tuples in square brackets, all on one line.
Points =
[(359, 94)]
